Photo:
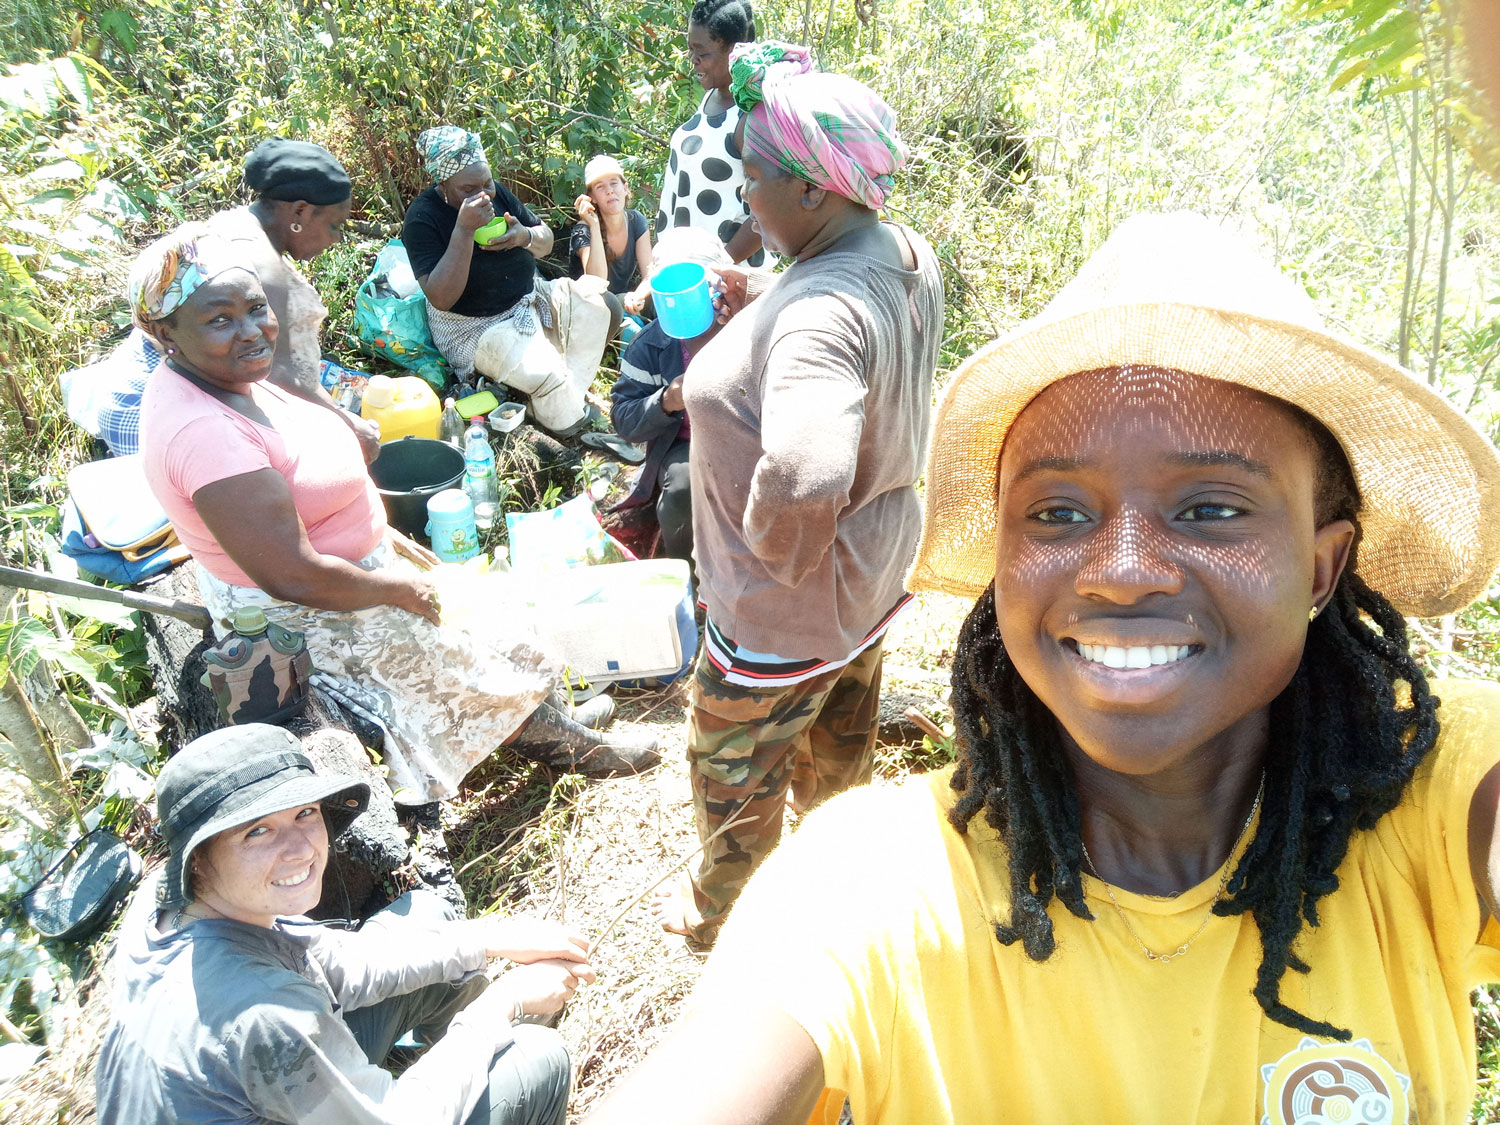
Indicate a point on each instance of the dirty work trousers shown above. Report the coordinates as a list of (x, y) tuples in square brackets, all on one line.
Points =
[(749, 746), (529, 1077)]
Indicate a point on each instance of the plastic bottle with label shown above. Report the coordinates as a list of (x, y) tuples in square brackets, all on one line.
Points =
[(480, 480)]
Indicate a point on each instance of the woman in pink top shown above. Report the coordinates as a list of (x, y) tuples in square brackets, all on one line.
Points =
[(270, 494)]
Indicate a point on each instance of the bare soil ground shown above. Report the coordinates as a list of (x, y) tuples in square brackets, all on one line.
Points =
[(592, 852)]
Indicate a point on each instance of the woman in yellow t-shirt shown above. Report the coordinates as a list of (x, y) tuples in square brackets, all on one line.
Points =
[(1213, 849)]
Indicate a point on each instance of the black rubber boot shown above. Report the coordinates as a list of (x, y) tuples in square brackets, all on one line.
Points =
[(553, 739), (592, 713)]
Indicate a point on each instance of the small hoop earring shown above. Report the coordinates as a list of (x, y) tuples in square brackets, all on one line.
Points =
[(296, 228), (1312, 614)]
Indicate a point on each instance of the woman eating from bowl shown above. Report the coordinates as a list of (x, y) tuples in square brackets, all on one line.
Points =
[(486, 305), (1214, 849), (271, 497), (704, 179), (611, 240), (809, 416), (302, 201), (231, 1006)]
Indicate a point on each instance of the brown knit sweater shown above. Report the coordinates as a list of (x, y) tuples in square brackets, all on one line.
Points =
[(810, 417)]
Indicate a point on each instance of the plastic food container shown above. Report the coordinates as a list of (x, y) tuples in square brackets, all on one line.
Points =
[(481, 402), (618, 621), (506, 417), (684, 304)]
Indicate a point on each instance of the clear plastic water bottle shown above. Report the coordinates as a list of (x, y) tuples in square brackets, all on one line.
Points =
[(480, 481), (451, 428)]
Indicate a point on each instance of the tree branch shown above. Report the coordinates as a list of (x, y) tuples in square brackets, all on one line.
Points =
[(626, 125)]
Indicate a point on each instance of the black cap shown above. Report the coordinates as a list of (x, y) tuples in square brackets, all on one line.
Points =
[(296, 170)]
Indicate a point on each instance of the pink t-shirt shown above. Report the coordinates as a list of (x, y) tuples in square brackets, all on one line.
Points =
[(191, 439)]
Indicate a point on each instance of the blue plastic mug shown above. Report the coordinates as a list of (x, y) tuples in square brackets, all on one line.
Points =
[(684, 304), (450, 526)]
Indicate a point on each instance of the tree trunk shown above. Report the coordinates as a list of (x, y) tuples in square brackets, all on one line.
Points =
[(27, 746), (57, 714)]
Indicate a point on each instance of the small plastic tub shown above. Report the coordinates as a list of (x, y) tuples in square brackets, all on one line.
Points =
[(507, 416), (684, 305)]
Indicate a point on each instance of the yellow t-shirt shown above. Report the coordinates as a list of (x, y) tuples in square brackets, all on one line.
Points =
[(872, 928)]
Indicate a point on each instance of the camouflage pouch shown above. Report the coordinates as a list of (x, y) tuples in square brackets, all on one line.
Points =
[(259, 673)]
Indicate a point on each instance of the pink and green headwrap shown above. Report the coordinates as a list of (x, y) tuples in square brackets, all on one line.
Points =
[(830, 130), (168, 272)]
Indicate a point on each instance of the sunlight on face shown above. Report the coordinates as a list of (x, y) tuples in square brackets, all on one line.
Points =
[(225, 332), (1156, 558), (609, 194), (272, 866)]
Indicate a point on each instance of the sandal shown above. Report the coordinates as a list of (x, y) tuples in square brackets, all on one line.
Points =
[(615, 444)]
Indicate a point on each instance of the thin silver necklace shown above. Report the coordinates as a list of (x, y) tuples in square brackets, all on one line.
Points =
[(1164, 958)]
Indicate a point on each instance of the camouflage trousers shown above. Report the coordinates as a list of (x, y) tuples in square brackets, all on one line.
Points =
[(748, 747)]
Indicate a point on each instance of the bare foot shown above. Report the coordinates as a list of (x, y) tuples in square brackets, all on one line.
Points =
[(670, 905)]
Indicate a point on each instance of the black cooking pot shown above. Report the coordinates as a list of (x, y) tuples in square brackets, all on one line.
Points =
[(408, 472)]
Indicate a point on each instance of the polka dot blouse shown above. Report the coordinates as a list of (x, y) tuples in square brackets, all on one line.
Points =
[(704, 183)]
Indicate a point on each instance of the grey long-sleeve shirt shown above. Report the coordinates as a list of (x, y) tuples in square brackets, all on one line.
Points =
[(810, 415), (220, 1021)]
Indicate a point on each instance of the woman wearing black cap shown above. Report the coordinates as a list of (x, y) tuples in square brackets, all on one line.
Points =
[(230, 1006), (302, 201)]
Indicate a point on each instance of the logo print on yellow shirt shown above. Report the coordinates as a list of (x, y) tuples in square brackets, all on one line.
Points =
[(1334, 1084)]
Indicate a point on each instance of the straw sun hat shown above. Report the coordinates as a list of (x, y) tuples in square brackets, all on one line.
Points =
[(1179, 291)]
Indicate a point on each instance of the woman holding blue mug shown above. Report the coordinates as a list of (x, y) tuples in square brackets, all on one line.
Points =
[(809, 414)]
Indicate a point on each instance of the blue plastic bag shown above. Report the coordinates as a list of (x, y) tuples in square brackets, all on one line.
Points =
[(395, 328)]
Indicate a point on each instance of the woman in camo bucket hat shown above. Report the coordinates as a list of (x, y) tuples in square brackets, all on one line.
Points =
[(235, 776), (230, 1003)]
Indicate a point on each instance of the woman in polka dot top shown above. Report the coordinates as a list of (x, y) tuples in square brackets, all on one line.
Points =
[(704, 177)]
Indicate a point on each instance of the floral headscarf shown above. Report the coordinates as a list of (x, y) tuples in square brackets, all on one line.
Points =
[(827, 129), (168, 272), (447, 150)]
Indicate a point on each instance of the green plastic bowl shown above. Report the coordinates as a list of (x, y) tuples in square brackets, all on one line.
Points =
[(491, 231)]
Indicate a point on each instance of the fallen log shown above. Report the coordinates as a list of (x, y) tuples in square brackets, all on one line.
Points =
[(376, 858)]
